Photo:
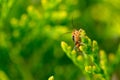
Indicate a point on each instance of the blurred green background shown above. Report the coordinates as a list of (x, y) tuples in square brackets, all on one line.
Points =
[(31, 32)]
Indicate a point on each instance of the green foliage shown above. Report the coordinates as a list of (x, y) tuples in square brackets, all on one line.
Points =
[(93, 62), (30, 36)]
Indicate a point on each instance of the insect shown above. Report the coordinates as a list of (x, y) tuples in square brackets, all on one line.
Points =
[(76, 38)]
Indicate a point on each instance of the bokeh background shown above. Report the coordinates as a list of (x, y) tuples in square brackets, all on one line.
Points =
[(31, 32)]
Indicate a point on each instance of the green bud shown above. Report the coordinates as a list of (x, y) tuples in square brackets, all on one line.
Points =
[(80, 58), (51, 78), (88, 69), (64, 46), (95, 47)]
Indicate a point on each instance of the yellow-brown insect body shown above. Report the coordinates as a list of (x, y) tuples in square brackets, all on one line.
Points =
[(76, 38)]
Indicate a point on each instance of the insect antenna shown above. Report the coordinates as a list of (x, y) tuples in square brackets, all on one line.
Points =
[(64, 34), (73, 25)]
